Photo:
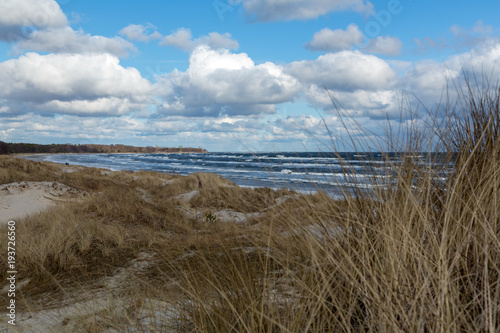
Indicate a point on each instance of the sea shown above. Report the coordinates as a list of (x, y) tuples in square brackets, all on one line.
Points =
[(305, 172)]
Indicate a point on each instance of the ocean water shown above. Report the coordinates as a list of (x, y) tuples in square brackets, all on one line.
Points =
[(304, 172)]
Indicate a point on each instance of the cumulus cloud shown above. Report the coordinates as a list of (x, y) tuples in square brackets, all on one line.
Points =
[(360, 84), (344, 71), (66, 40), (426, 79), (384, 45), (286, 10), (180, 39), (14, 33), (183, 40), (140, 33), (431, 80), (328, 40), (373, 104), (73, 83), (31, 13), (336, 40), (219, 82), (21, 19), (484, 59), (40, 25)]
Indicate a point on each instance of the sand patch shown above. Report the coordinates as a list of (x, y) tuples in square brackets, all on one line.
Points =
[(20, 199), (229, 215), (186, 197), (72, 169)]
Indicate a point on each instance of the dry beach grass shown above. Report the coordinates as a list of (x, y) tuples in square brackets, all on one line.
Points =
[(155, 252)]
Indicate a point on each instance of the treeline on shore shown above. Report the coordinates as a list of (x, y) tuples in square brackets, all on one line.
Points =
[(27, 148)]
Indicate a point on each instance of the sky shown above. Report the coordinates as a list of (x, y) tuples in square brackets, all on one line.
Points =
[(233, 75)]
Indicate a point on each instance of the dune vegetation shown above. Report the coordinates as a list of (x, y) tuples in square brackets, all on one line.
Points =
[(155, 252)]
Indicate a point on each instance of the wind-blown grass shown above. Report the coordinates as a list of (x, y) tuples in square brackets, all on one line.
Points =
[(420, 255)]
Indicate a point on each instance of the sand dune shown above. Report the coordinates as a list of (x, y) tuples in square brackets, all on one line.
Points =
[(20, 199)]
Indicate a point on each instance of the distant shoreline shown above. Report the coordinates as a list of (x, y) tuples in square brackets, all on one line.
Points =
[(34, 148)]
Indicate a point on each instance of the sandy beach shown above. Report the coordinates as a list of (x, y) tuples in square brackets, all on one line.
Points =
[(33, 157)]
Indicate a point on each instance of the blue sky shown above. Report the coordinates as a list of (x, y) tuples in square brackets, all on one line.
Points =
[(230, 75)]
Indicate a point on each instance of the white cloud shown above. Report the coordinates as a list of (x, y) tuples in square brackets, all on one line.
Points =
[(140, 33), (205, 61), (21, 19), (66, 40), (290, 125), (286, 10), (384, 45), (40, 25), (28, 13), (44, 129), (360, 84), (218, 41), (482, 60), (431, 80), (183, 39), (373, 104), (232, 125), (76, 84), (336, 40), (344, 71), (220, 82), (4, 109), (426, 79), (104, 106), (356, 103)]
